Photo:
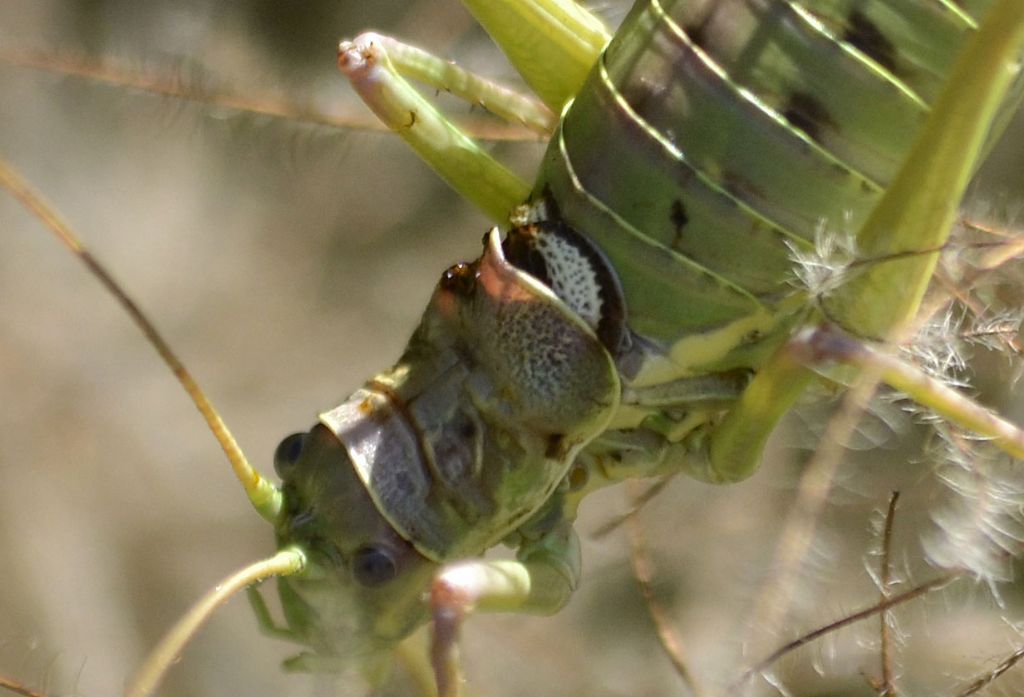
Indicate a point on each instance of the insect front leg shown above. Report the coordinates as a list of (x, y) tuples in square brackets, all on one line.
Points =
[(264, 620), (539, 582)]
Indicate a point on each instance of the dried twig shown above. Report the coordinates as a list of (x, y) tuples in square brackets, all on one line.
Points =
[(641, 561), (887, 687), (875, 609)]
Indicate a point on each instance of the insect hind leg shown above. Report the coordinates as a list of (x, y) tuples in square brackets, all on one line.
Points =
[(734, 445), (830, 343)]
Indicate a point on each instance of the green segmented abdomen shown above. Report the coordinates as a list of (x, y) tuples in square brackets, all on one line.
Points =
[(712, 137)]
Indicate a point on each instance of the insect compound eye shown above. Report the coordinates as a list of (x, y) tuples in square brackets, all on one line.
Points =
[(373, 566), (288, 452), (459, 279)]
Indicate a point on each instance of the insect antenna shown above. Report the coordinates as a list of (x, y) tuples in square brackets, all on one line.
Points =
[(144, 682), (264, 496), (262, 493)]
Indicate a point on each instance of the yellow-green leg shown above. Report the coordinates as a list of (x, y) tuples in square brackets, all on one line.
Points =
[(899, 243), (539, 582), (553, 44)]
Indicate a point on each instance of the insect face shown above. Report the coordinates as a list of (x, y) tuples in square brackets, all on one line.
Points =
[(437, 459), (364, 583)]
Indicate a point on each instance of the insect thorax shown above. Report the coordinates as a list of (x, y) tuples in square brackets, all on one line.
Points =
[(501, 385)]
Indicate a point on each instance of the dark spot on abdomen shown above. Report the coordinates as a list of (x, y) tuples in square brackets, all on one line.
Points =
[(805, 112), (679, 219), (865, 35)]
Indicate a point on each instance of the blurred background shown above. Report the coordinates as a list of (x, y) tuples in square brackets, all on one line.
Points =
[(287, 262)]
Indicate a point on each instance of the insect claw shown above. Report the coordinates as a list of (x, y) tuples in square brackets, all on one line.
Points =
[(450, 604), (358, 54)]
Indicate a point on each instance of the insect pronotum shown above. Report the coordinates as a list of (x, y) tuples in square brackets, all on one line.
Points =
[(100, 538)]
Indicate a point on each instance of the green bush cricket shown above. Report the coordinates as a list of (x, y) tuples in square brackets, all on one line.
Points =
[(744, 422)]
